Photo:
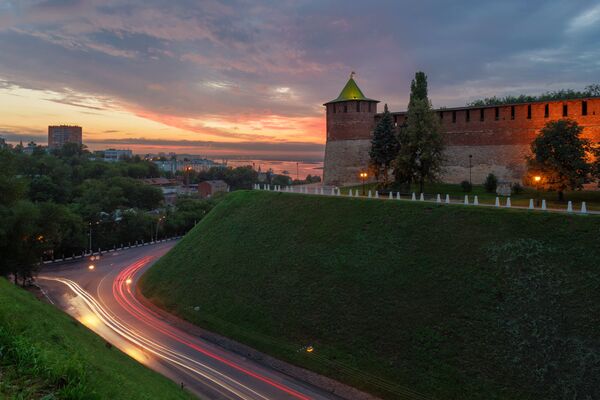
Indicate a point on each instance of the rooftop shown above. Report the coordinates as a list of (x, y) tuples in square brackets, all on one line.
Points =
[(351, 92)]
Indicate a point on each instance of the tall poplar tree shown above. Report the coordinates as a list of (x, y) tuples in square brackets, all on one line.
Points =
[(421, 143), (384, 146)]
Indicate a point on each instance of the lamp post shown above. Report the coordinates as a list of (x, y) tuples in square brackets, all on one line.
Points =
[(363, 177), (537, 180), (470, 157)]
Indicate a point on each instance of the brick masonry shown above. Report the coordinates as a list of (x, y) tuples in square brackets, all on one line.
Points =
[(498, 138)]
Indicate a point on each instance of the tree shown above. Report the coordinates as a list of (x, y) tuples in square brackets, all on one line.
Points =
[(421, 143), (559, 156), (384, 146)]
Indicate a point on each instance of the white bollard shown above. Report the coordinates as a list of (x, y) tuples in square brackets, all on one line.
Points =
[(391, 196), (377, 194), (397, 195), (531, 204), (466, 199), (570, 206), (476, 201), (369, 194), (543, 204), (413, 198), (508, 202), (583, 208), (356, 193), (349, 192), (447, 198), (421, 197), (497, 203), (438, 199)]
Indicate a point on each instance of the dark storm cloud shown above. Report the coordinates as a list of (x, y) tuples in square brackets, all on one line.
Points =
[(190, 59)]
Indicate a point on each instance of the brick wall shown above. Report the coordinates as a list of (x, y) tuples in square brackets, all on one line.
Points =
[(498, 138)]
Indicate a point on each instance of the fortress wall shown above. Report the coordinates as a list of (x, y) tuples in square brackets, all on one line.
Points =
[(344, 160), (498, 143)]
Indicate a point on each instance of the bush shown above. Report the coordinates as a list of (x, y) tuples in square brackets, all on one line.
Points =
[(491, 183), (466, 186), (517, 188)]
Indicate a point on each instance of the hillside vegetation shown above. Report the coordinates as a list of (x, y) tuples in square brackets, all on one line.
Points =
[(452, 302), (45, 354)]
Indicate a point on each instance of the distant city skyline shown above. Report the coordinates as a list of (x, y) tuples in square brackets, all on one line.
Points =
[(249, 80)]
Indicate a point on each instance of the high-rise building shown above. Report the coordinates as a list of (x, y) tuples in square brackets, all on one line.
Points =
[(58, 135)]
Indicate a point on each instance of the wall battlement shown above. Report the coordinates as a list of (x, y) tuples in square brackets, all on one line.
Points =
[(497, 137)]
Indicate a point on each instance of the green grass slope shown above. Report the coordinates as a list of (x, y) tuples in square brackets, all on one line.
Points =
[(45, 354), (453, 302)]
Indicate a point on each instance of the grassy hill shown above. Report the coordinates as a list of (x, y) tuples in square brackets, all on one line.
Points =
[(45, 354), (453, 302)]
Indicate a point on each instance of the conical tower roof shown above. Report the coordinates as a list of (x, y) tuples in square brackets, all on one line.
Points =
[(351, 92)]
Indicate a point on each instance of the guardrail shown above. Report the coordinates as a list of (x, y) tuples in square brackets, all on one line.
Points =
[(474, 201), (115, 248)]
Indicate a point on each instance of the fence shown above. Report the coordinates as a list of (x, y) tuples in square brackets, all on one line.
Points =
[(115, 248), (474, 201)]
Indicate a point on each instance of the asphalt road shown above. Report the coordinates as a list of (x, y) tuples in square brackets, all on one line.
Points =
[(102, 299)]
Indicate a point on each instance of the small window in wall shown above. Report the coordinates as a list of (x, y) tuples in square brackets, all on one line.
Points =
[(441, 115), (370, 107), (482, 114), (333, 107), (345, 108), (497, 113), (358, 106), (468, 116), (546, 110), (565, 110), (453, 116), (512, 112), (528, 111), (584, 107)]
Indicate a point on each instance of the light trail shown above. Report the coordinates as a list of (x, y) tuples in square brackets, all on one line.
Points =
[(123, 295)]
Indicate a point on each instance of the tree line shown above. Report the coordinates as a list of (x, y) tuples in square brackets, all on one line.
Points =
[(562, 94), (50, 204)]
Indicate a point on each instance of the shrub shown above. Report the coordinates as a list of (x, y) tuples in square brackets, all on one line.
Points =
[(466, 186), (491, 183), (517, 188)]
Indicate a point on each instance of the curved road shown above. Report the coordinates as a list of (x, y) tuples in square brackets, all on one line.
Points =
[(102, 299)]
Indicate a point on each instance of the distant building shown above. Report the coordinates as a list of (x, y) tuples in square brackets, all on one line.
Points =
[(209, 188), (58, 135), (197, 164), (113, 155), (31, 146), (3, 144)]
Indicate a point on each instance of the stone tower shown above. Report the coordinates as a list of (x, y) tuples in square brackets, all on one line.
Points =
[(350, 122)]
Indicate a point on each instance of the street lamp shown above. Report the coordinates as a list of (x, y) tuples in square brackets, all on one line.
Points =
[(363, 177), (470, 157), (537, 180)]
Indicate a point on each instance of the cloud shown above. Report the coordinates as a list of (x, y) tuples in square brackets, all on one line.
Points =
[(267, 65)]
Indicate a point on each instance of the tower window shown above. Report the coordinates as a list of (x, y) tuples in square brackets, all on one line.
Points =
[(468, 116), (546, 110), (584, 107), (358, 106), (497, 115), (512, 112), (441, 115), (369, 107), (453, 116), (333, 107), (528, 111), (345, 108), (482, 114), (565, 110)]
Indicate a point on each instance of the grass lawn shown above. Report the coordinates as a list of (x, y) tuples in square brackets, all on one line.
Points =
[(45, 354), (592, 198), (450, 302)]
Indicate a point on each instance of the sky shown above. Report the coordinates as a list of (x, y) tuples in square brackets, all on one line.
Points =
[(248, 79)]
